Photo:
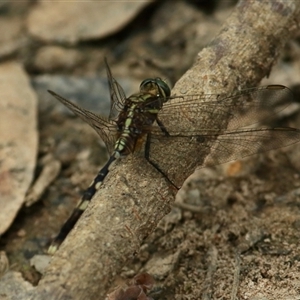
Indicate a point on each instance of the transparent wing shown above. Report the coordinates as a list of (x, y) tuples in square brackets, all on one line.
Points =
[(217, 126), (212, 147), (117, 94), (106, 129), (238, 110)]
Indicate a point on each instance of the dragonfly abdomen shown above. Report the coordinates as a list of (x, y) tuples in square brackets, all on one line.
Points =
[(83, 203)]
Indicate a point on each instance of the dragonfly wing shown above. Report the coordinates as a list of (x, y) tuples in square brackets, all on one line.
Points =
[(212, 147), (106, 129), (232, 145), (235, 111), (117, 94)]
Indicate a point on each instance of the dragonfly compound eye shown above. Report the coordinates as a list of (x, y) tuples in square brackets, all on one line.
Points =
[(163, 87), (157, 84), (146, 82)]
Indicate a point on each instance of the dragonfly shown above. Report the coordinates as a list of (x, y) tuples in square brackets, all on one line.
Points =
[(194, 130)]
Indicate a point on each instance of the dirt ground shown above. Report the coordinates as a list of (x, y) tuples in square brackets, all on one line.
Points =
[(233, 231)]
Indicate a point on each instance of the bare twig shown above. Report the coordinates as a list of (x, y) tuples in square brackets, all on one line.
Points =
[(51, 169), (236, 276), (209, 280)]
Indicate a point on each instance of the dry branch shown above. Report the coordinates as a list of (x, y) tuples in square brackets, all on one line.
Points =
[(135, 196)]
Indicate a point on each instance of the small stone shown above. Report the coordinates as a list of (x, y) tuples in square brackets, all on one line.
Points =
[(4, 264), (40, 262), (11, 38), (21, 233), (52, 58)]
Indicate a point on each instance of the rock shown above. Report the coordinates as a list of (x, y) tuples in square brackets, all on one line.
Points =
[(51, 58), (18, 140), (90, 93), (67, 22), (11, 38)]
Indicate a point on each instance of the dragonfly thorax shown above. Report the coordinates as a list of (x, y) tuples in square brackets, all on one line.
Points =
[(139, 112), (135, 121)]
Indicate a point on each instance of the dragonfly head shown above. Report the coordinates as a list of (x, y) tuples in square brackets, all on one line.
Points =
[(155, 86)]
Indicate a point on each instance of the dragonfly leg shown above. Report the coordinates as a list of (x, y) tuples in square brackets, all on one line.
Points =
[(82, 205), (147, 152), (162, 127)]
